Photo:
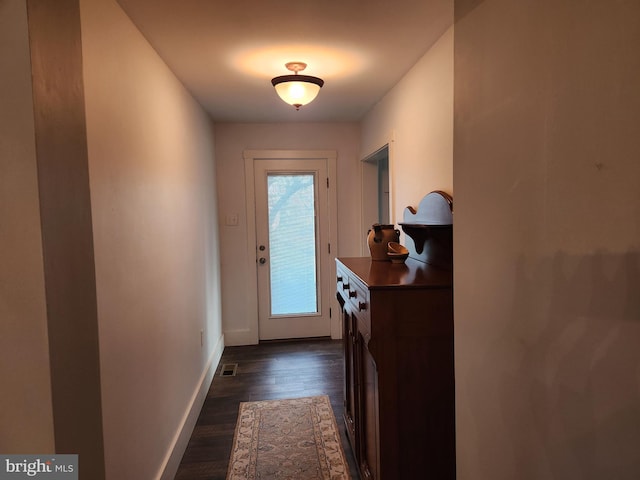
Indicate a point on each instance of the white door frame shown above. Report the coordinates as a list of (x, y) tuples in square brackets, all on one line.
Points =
[(250, 157), (366, 173)]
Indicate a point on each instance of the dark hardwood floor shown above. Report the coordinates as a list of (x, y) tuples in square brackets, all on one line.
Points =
[(265, 371)]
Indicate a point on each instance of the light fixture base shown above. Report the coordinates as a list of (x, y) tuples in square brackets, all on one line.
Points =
[(295, 66)]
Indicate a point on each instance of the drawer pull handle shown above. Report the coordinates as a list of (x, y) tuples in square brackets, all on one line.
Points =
[(353, 294), (345, 286), (362, 306), (339, 278)]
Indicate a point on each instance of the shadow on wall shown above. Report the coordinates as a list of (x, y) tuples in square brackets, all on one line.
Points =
[(464, 7), (590, 353), (566, 393)]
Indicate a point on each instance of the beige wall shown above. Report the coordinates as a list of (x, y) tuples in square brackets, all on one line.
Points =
[(155, 229), (416, 118), (231, 141), (26, 416), (547, 239)]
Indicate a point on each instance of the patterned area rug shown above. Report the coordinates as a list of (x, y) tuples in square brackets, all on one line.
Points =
[(292, 439)]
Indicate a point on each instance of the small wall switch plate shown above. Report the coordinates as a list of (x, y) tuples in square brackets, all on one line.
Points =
[(231, 220)]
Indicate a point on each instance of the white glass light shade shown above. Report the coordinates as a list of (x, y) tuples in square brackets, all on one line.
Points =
[(297, 90)]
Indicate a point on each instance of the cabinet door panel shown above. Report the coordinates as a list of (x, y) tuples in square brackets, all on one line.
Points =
[(350, 399), (368, 414)]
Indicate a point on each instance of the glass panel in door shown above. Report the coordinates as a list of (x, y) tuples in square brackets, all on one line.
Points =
[(292, 244)]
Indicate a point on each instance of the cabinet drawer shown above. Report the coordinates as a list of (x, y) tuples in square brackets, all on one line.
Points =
[(358, 296), (359, 304), (342, 283), (355, 295), (350, 288)]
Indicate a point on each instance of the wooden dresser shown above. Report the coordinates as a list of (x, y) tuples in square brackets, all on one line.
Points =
[(399, 366)]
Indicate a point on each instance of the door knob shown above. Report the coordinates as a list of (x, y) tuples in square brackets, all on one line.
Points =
[(262, 260)]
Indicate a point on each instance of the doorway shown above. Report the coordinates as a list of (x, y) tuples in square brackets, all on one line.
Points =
[(376, 202), (293, 242)]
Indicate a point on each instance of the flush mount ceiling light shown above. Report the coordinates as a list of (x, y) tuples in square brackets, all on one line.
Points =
[(297, 90)]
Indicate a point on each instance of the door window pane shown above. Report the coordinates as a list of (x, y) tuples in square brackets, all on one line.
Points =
[(292, 243)]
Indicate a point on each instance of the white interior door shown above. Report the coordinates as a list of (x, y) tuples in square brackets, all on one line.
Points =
[(292, 250)]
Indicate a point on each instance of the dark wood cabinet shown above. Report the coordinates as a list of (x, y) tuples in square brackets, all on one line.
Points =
[(399, 370)]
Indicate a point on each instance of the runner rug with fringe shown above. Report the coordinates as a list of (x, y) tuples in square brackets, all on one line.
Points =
[(287, 439)]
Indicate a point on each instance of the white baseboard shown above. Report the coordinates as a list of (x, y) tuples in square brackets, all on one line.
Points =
[(171, 462), (240, 337)]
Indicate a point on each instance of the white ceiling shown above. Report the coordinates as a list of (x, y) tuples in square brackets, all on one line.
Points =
[(227, 52)]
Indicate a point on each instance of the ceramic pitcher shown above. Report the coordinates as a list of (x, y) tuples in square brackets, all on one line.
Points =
[(378, 238)]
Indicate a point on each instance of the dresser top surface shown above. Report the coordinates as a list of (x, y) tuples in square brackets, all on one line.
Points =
[(411, 274)]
